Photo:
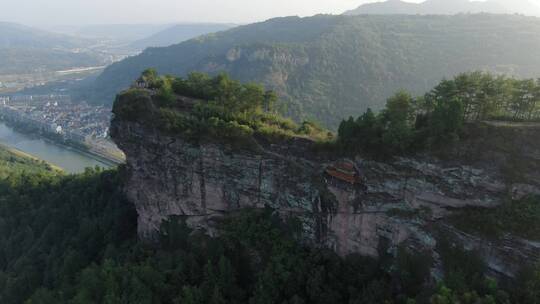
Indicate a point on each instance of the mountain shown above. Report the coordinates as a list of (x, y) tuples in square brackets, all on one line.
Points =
[(448, 7), (330, 67), (119, 32), (27, 60), (14, 35), (25, 50), (179, 33), (394, 6)]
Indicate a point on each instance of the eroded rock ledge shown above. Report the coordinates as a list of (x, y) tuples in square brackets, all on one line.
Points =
[(401, 202)]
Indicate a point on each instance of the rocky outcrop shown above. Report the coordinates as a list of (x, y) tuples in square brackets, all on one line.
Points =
[(396, 203)]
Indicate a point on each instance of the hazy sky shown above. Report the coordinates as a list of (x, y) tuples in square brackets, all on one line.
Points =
[(40, 12), (162, 11)]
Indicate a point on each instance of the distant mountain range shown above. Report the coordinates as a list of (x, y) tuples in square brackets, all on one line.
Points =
[(137, 37), (449, 7), (26, 50), (179, 33), (330, 67), (14, 35), (126, 33)]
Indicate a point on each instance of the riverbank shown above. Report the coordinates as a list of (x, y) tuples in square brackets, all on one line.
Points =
[(100, 154), (22, 154), (70, 159)]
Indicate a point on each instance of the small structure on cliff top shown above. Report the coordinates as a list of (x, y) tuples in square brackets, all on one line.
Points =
[(141, 84), (344, 170)]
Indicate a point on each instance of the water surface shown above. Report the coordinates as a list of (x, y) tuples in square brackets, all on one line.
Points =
[(71, 160)]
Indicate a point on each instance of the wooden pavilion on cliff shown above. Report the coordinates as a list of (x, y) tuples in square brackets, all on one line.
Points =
[(345, 171), (140, 84)]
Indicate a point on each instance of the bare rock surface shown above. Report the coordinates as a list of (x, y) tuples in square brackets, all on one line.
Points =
[(398, 202)]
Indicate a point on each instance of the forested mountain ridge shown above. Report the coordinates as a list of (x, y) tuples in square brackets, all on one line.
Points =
[(329, 67)]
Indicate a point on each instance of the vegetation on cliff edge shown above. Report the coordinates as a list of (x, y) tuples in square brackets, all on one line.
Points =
[(229, 111), (221, 108), (519, 218), (410, 124)]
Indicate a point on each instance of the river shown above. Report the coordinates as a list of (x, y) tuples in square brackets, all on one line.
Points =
[(71, 160)]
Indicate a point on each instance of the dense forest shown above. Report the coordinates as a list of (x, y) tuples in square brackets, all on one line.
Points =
[(330, 67), (73, 239), (408, 124)]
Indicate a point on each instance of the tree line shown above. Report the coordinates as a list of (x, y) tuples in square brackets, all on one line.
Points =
[(231, 94), (486, 97), (409, 124), (224, 110)]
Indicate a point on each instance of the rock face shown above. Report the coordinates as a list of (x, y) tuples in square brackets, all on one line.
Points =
[(401, 202), (169, 176)]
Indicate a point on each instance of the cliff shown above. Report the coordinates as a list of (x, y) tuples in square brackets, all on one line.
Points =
[(352, 206)]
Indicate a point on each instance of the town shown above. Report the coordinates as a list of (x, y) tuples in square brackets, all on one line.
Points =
[(56, 116)]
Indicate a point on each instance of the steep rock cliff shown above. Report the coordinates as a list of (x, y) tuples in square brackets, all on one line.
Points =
[(400, 202)]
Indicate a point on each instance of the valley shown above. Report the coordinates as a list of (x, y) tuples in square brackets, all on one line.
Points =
[(40, 81)]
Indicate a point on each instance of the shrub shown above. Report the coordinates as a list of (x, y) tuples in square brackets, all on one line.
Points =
[(519, 218)]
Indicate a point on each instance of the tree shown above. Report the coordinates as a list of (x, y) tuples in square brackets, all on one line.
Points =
[(150, 76), (524, 99), (198, 85), (398, 120), (165, 94), (251, 98), (446, 121), (225, 91), (270, 100), (399, 110), (347, 132), (528, 286)]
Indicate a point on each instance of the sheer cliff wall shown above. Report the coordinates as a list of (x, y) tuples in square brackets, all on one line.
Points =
[(402, 202)]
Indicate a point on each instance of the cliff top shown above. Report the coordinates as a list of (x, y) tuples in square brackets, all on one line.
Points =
[(219, 108)]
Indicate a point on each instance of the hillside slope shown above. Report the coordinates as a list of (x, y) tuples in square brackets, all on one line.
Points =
[(178, 33), (26, 50), (14, 35), (23, 60), (330, 67), (14, 162)]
